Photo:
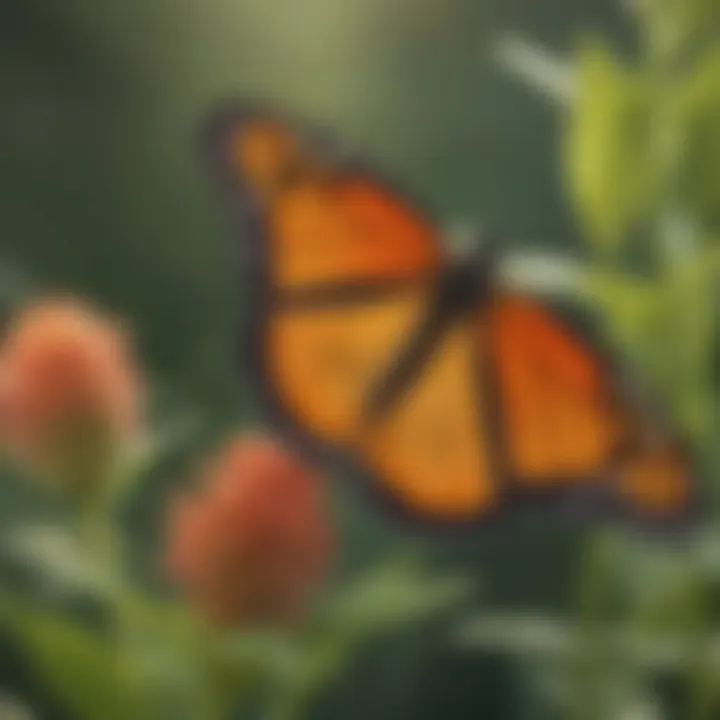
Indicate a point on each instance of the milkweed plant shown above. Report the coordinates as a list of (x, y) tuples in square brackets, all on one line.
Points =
[(244, 612), (641, 166)]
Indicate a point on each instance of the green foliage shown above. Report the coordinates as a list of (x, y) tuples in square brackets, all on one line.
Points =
[(397, 594), (79, 666), (699, 101), (643, 167), (158, 660), (608, 173), (675, 27), (385, 600), (642, 163), (390, 596), (628, 304), (687, 303)]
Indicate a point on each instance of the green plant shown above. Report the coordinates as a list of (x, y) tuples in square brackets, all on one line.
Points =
[(642, 171), (238, 541)]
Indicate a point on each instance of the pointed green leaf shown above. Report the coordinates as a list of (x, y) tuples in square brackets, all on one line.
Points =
[(630, 313), (12, 708), (395, 594), (677, 28), (60, 559), (700, 169), (262, 654), (607, 155), (537, 67), (689, 308), (81, 668), (386, 599), (544, 273)]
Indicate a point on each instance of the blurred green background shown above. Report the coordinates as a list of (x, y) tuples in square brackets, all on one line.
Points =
[(101, 192), (100, 187)]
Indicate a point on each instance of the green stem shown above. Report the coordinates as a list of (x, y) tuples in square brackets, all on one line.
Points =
[(289, 705), (592, 658), (101, 537), (694, 374), (702, 680), (224, 682), (219, 698)]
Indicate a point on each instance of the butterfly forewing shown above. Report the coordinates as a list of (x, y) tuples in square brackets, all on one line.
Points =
[(323, 362), (325, 226)]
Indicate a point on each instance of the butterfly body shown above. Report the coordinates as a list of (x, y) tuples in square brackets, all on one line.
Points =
[(465, 285), (455, 400)]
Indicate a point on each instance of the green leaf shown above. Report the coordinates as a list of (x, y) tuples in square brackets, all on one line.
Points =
[(262, 654), (607, 155), (525, 634), (675, 29), (640, 315), (12, 708), (81, 668), (391, 596), (631, 315), (688, 303), (640, 707), (549, 639), (388, 599), (64, 564), (537, 67), (544, 273), (700, 116), (659, 585)]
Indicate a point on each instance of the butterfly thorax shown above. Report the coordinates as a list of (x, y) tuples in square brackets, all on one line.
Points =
[(464, 285)]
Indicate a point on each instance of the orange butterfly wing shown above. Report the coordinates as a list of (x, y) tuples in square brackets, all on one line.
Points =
[(323, 362), (509, 403), (433, 446), (324, 227), (565, 420), (556, 399), (350, 271)]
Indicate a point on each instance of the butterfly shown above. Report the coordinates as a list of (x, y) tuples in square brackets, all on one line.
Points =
[(453, 398)]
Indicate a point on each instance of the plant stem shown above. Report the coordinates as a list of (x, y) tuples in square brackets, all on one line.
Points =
[(675, 234), (592, 651), (289, 705), (101, 537)]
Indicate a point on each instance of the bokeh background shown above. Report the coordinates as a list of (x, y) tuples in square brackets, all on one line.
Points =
[(101, 103), (102, 193)]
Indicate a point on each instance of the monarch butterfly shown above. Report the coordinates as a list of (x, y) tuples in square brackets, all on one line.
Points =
[(453, 398)]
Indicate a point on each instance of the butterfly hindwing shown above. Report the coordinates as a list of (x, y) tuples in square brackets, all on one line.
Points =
[(567, 424), (556, 400), (431, 445)]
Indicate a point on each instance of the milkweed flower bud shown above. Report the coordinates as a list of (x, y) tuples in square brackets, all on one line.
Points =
[(70, 392), (251, 545)]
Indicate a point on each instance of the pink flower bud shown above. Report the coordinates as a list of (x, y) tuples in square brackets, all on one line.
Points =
[(70, 391), (251, 546)]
